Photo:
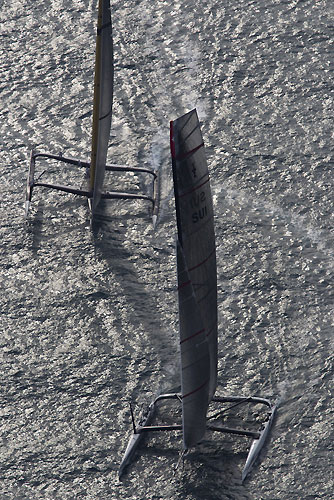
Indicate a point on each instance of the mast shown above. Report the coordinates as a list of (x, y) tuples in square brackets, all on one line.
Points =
[(103, 96)]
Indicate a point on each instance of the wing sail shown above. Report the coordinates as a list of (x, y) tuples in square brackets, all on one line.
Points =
[(194, 214), (103, 98), (195, 359)]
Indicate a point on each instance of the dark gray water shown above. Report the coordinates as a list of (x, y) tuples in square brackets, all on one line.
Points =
[(89, 319)]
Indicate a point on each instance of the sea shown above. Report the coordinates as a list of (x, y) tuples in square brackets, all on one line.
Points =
[(89, 313)]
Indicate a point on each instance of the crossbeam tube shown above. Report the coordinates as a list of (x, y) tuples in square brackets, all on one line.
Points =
[(230, 430), (113, 167), (155, 428)]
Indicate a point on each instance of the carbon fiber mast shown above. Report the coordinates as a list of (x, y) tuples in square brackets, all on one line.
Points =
[(102, 115)]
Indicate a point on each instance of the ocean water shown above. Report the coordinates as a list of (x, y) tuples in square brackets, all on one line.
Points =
[(89, 315)]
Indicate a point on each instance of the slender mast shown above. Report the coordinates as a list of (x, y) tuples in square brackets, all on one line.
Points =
[(96, 102)]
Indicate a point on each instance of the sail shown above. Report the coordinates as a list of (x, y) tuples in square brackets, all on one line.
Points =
[(194, 214), (195, 358), (103, 97)]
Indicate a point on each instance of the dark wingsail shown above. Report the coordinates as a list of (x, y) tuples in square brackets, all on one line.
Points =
[(195, 358), (197, 258)]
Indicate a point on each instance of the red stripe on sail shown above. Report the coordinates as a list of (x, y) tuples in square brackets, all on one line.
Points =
[(185, 283), (188, 153), (196, 390), (194, 189), (203, 262), (192, 336)]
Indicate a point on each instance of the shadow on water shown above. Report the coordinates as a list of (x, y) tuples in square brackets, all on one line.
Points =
[(109, 237), (133, 261), (35, 227), (116, 239)]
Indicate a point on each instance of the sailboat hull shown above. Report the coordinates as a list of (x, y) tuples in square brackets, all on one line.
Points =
[(135, 441)]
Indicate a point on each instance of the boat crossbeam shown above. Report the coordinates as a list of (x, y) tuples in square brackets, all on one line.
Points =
[(168, 396), (230, 430), (126, 196), (31, 183), (156, 428), (113, 167), (241, 399), (65, 189), (63, 159)]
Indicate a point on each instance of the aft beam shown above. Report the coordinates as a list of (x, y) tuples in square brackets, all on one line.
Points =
[(113, 167), (241, 399), (65, 189), (154, 428), (230, 430), (126, 196)]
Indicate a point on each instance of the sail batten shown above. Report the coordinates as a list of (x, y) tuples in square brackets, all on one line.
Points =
[(192, 336), (211, 254), (199, 388), (188, 153)]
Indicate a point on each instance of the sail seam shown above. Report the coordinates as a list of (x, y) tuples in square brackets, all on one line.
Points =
[(191, 132), (189, 117), (197, 360), (211, 329), (106, 25), (203, 261), (196, 390), (210, 290), (192, 336)]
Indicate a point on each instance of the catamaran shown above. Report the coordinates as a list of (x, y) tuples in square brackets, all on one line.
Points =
[(102, 115), (197, 298)]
